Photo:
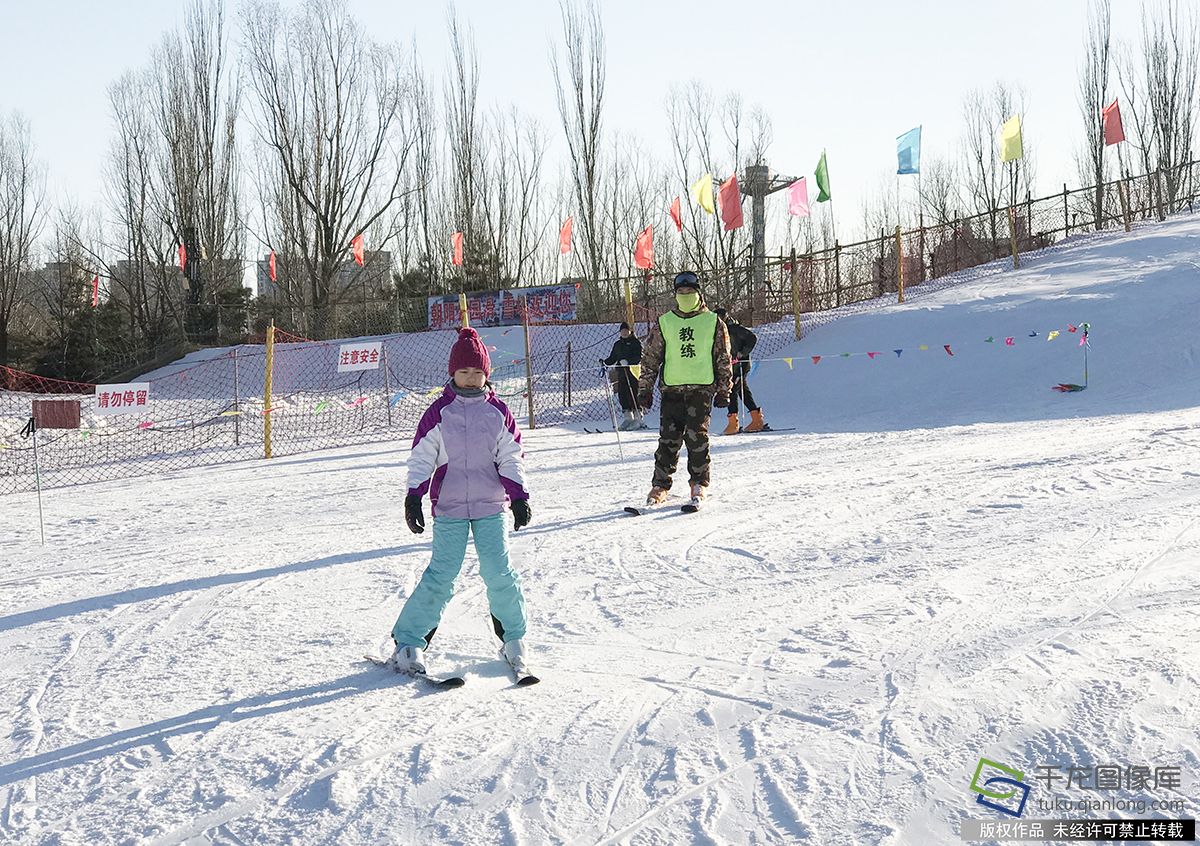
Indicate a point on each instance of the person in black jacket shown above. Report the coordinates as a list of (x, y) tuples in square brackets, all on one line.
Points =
[(741, 343), (625, 356)]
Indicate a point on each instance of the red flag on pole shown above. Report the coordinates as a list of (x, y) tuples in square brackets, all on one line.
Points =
[(731, 204), (643, 252), (456, 240), (564, 236), (96, 290), (271, 265), (182, 257), (1114, 132), (676, 214), (357, 246)]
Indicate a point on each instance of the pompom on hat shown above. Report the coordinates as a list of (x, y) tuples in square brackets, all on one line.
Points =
[(469, 351)]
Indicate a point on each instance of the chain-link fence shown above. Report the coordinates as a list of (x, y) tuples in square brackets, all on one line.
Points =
[(212, 406)]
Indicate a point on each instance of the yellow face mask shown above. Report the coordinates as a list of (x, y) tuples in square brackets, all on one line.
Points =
[(688, 302)]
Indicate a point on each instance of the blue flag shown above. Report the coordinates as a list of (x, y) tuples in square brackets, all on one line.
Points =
[(908, 152)]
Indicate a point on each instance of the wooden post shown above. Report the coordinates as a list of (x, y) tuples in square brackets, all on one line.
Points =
[(567, 381), (267, 410), (387, 391), (629, 305), (1158, 194), (1012, 235), (528, 363), (899, 264), (795, 293), (237, 406), (1066, 214), (1123, 193), (462, 310), (837, 274)]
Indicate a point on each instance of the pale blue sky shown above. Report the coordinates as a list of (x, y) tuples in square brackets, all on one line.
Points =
[(847, 76)]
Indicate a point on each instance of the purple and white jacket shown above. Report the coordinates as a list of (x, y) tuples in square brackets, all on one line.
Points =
[(467, 455)]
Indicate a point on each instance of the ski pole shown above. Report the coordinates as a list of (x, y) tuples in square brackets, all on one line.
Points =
[(612, 414)]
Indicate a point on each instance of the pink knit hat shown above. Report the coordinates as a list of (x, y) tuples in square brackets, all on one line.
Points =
[(469, 351)]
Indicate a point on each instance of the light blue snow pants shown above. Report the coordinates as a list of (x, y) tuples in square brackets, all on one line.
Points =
[(422, 612)]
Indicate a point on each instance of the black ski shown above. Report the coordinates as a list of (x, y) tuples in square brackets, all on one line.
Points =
[(766, 431), (439, 682)]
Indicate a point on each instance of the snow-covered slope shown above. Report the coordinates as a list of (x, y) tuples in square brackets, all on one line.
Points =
[(946, 560)]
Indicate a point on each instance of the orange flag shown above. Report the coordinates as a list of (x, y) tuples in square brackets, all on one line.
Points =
[(357, 246), (677, 214), (271, 266), (731, 204), (456, 241), (96, 290), (182, 257), (643, 252), (564, 236)]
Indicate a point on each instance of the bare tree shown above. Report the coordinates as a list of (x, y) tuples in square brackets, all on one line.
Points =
[(579, 77), (329, 113), (466, 142), (1170, 43), (941, 200), (991, 185), (1093, 97), (196, 114), (22, 209), (139, 260)]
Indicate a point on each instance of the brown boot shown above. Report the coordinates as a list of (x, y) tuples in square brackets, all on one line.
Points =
[(657, 496), (734, 426), (698, 491), (757, 424)]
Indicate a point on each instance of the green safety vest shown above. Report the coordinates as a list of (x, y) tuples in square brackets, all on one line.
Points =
[(687, 348)]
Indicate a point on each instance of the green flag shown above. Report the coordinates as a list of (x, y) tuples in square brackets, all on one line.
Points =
[(823, 180)]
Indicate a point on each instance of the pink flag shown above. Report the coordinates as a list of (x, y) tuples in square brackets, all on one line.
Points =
[(182, 257), (356, 246), (271, 266), (1114, 132), (564, 235), (871, 355), (798, 198), (676, 214), (816, 358), (1010, 342), (456, 241), (731, 204), (96, 290), (643, 251), (946, 347)]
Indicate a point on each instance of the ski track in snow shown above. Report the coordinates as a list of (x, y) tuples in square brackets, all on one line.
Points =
[(944, 561)]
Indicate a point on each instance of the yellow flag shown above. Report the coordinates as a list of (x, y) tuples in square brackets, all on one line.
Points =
[(923, 347), (702, 193), (636, 370), (789, 363), (1010, 140), (1052, 335)]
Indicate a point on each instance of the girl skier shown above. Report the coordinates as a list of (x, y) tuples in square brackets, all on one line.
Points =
[(467, 456)]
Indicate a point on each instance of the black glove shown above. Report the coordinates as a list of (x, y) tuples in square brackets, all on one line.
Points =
[(521, 513), (720, 401), (413, 515)]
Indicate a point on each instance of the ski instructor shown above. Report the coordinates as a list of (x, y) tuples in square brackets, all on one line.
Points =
[(689, 348)]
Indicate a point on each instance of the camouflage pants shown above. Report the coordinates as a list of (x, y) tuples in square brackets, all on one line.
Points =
[(684, 420)]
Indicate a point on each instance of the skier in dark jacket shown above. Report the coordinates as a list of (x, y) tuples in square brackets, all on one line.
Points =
[(622, 362), (741, 343)]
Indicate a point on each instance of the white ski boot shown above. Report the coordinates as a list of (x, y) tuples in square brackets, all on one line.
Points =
[(514, 653), (628, 422), (409, 660)]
